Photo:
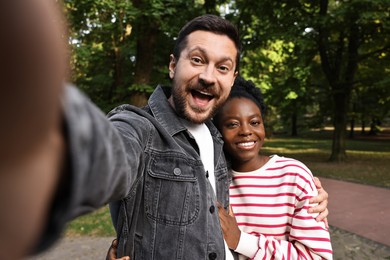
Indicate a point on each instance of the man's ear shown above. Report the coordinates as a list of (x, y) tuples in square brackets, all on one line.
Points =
[(172, 66), (234, 77)]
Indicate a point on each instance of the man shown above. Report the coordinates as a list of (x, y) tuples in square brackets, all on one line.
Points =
[(179, 153), (155, 162)]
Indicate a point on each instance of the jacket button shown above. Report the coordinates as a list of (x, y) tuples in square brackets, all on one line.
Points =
[(212, 209), (176, 171), (213, 256)]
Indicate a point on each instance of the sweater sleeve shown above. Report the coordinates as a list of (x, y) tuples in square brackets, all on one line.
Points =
[(248, 245), (305, 237), (308, 239)]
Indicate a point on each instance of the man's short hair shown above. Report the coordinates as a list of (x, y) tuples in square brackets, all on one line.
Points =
[(209, 23)]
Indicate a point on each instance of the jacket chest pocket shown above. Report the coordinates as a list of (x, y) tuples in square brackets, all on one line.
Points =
[(172, 190)]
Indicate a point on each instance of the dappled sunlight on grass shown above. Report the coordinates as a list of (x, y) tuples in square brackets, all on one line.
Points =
[(296, 143), (370, 153), (367, 161), (286, 151)]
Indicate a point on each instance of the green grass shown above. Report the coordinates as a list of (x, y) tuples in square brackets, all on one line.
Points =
[(368, 163), (96, 224)]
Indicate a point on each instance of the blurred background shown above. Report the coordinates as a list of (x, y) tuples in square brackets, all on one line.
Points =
[(320, 63), (323, 67)]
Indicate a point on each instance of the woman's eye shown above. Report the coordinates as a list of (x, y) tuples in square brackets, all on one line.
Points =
[(231, 125), (255, 123)]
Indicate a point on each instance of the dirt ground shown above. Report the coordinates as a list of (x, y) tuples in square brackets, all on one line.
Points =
[(345, 246)]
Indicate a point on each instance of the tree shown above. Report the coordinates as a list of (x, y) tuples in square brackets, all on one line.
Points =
[(343, 33), (121, 48), (155, 21), (100, 36), (346, 33)]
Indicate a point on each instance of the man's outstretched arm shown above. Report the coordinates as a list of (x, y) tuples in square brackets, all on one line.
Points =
[(32, 72)]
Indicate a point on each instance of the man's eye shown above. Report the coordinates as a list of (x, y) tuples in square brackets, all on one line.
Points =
[(196, 60), (224, 68), (255, 123)]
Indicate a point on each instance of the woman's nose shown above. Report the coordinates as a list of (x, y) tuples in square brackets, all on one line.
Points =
[(245, 130)]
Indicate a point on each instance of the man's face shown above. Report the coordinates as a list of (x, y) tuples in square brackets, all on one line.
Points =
[(203, 75)]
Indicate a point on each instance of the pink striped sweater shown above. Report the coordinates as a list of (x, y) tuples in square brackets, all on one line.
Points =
[(270, 205)]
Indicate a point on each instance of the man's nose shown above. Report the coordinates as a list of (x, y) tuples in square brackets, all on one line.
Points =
[(207, 76)]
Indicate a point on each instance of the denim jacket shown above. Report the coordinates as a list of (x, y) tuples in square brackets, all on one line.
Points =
[(146, 161), (170, 211)]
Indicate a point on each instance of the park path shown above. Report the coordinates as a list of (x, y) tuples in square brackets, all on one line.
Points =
[(360, 209), (359, 219)]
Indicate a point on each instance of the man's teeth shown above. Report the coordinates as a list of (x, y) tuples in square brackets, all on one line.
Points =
[(205, 93)]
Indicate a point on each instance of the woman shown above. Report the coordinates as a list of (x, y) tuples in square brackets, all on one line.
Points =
[(270, 196)]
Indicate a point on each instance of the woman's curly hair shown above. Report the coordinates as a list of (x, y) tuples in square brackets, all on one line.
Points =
[(245, 89)]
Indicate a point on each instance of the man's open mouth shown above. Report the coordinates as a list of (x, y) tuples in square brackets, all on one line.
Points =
[(201, 98)]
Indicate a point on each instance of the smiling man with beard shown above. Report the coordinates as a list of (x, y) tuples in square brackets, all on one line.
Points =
[(202, 75), (181, 171)]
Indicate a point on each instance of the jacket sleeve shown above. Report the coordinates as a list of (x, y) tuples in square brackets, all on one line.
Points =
[(103, 160), (101, 164)]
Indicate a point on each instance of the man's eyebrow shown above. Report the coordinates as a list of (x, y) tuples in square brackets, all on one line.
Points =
[(204, 52)]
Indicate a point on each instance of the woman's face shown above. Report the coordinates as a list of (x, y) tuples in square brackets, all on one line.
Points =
[(241, 126)]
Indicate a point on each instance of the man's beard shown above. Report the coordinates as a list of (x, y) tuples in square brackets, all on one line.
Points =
[(179, 100)]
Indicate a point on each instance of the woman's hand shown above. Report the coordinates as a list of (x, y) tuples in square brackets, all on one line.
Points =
[(231, 232), (111, 254)]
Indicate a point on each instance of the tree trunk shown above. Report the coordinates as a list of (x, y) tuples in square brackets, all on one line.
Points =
[(118, 80), (339, 123), (211, 7), (352, 126), (146, 45), (294, 130), (340, 66), (372, 128)]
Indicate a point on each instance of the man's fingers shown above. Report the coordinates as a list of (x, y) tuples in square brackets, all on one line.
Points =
[(319, 208), (320, 198), (325, 220), (323, 217), (317, 182)]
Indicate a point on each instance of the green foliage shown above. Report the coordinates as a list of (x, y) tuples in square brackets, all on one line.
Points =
[(105, 38), (141, 88), (280, 52), (302, 89)]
